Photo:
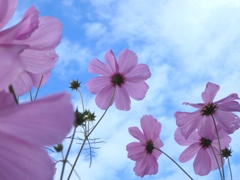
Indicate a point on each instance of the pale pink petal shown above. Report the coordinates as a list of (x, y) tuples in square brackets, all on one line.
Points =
[(47, 36), (111, 61), (151, 128), (127, 60), (158, 144), (137, 90), (202, 163), (23, 29), (122, 100), (136, 151), (225, 139), (152, 162), (104, 96), (207, 128), (6, 100), (228, 121), (141, 167), (10, 66), (135, 132), (95, 85), (22, 84), (181, 140), (37, 78), (229, 106), (214, 164), (210, 92), (21, 160), (98, 67), (38, 62), (231, 97), (7, 9), (189, 152), (140, 73), (198, 105), (188, 122), (43, 122)]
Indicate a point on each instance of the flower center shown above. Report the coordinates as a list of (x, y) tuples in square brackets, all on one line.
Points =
[(209, 109), (117, 79), (205, 142), (149, 147)]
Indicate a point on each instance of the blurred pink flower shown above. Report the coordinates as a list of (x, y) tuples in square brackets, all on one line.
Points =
[(199, 144), (202, 118), (25, 129), (125, 75), (28, 47), (143, 152)]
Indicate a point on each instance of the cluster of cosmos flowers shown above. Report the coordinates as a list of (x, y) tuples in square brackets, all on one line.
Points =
[(27, 58)]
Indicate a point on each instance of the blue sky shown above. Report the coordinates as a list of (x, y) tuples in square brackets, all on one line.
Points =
[(184, 43)]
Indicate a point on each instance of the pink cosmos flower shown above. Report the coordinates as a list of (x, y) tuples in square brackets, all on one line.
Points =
[(199, 145), (125, 75), (143, 152), (202, 119), (25, 129), (27, 48)]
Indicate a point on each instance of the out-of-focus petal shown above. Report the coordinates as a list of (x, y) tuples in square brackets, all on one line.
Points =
[(135, 132), (104, 96), (47, 36), (23, 29), (189, 152), (95, 85), (7, 9), (127, 60), (136, 151), (137, 90), (43, 122), (202, 163), (181, 140), (6, 100), (38, 62), (210, 92), (22, 84), (151, 128), (10, 66), (98, 67), (140, 73), (21, 160), (229, 106), (111, 61), (228, 121), (122, 100)]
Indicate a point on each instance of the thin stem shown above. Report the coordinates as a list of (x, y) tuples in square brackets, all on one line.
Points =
[(87, 135), (69, 147), (230, 168), (219, 146), (14, 94), (217, 162), (174, 162), (81, 99), (38, 88), (30, 93)]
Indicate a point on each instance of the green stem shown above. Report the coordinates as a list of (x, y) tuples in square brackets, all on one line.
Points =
[(230, 168), (65, 159), (175, 163), (219, 146), (217, 162), (87, 135), (38, 88)]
